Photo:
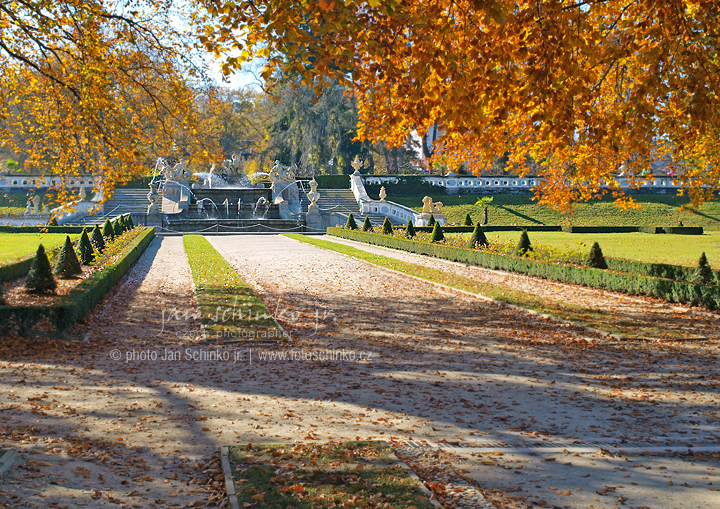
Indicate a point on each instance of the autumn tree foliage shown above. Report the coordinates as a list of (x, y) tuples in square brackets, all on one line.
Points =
[(90, 86), (580, 88)]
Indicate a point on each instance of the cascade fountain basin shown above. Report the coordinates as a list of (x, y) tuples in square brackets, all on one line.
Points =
[(234, 226), (249, 202)]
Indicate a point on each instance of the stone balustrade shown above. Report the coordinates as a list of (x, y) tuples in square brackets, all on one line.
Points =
[(21, 182)]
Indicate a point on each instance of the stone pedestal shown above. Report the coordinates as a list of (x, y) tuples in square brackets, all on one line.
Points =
[(425, 217), (313, 219)]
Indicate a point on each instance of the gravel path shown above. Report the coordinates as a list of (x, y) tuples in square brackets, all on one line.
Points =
[(624, 307), (375, 354)]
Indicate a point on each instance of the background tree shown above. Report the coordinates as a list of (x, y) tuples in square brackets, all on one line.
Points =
[(579, 87), (90, 86)]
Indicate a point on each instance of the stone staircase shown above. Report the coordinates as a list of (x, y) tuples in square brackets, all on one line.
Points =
[(343, 202), (123, 201)]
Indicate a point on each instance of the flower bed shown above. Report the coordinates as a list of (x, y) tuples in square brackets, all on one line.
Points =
[(109, 268)]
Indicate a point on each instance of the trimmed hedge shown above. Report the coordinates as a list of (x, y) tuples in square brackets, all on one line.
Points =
[(81, 299), (661, 270), (633, 284), (333, 181), (676, 230)]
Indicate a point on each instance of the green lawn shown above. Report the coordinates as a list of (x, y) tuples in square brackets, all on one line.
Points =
[(230, 310), (645, 247), (656, 210), (19, 245)]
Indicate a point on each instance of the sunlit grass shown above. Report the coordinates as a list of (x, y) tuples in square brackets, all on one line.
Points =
[(19, 245), (644, 247)]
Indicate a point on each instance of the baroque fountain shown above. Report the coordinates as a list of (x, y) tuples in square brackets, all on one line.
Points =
[(228, 200)]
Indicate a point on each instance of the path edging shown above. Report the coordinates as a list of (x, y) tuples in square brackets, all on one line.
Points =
[(229, 483)]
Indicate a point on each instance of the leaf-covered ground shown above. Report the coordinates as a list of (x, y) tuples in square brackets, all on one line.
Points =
[(132, 413)]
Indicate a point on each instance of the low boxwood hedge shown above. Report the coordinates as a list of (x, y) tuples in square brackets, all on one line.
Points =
[(81, 299), (633, 284)]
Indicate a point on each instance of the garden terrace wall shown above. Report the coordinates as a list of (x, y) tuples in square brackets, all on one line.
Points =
[(41, 229), (634, 284), (81, 299)]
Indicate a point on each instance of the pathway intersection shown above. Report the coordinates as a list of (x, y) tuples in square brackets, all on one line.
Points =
[(470, 392)]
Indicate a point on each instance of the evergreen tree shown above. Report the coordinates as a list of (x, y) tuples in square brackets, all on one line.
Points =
[(351, 224), (409, 229), (67, 265), (704, 273), (97, 239), (107, 232), (40, 278), (477, 238), (118, 227), (367, 225), (468, 220), (387, 227), (437, 233), (595, 259), (130, 223), (53, 221), (431, 221), (86, 250), (523, 247)]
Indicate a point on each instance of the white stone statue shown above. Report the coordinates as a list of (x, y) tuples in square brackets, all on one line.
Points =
[(383, 193), (313, 195), (430, 207), (36, 205)]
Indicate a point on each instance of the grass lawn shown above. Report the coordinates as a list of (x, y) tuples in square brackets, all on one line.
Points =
[(230, 310), (305, 476), (19, 245), (645, 247), (656, 210)]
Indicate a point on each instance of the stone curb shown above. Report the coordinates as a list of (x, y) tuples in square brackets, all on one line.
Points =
[(6, 461), (229, 483), (414, 476), (614, 338)]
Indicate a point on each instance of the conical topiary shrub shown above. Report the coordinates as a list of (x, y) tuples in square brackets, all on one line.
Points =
[(367, 225), (53, 221), (409, 229), (595, 259), (87, 255), (431, 221), (387, 227), (107, 231), (67, 265), (40, 278), (351, 224), (468, 220), (523, 247), (477, 238), (118, 227), (437, 233), (130, 224), (704, 273), (97, 239)]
